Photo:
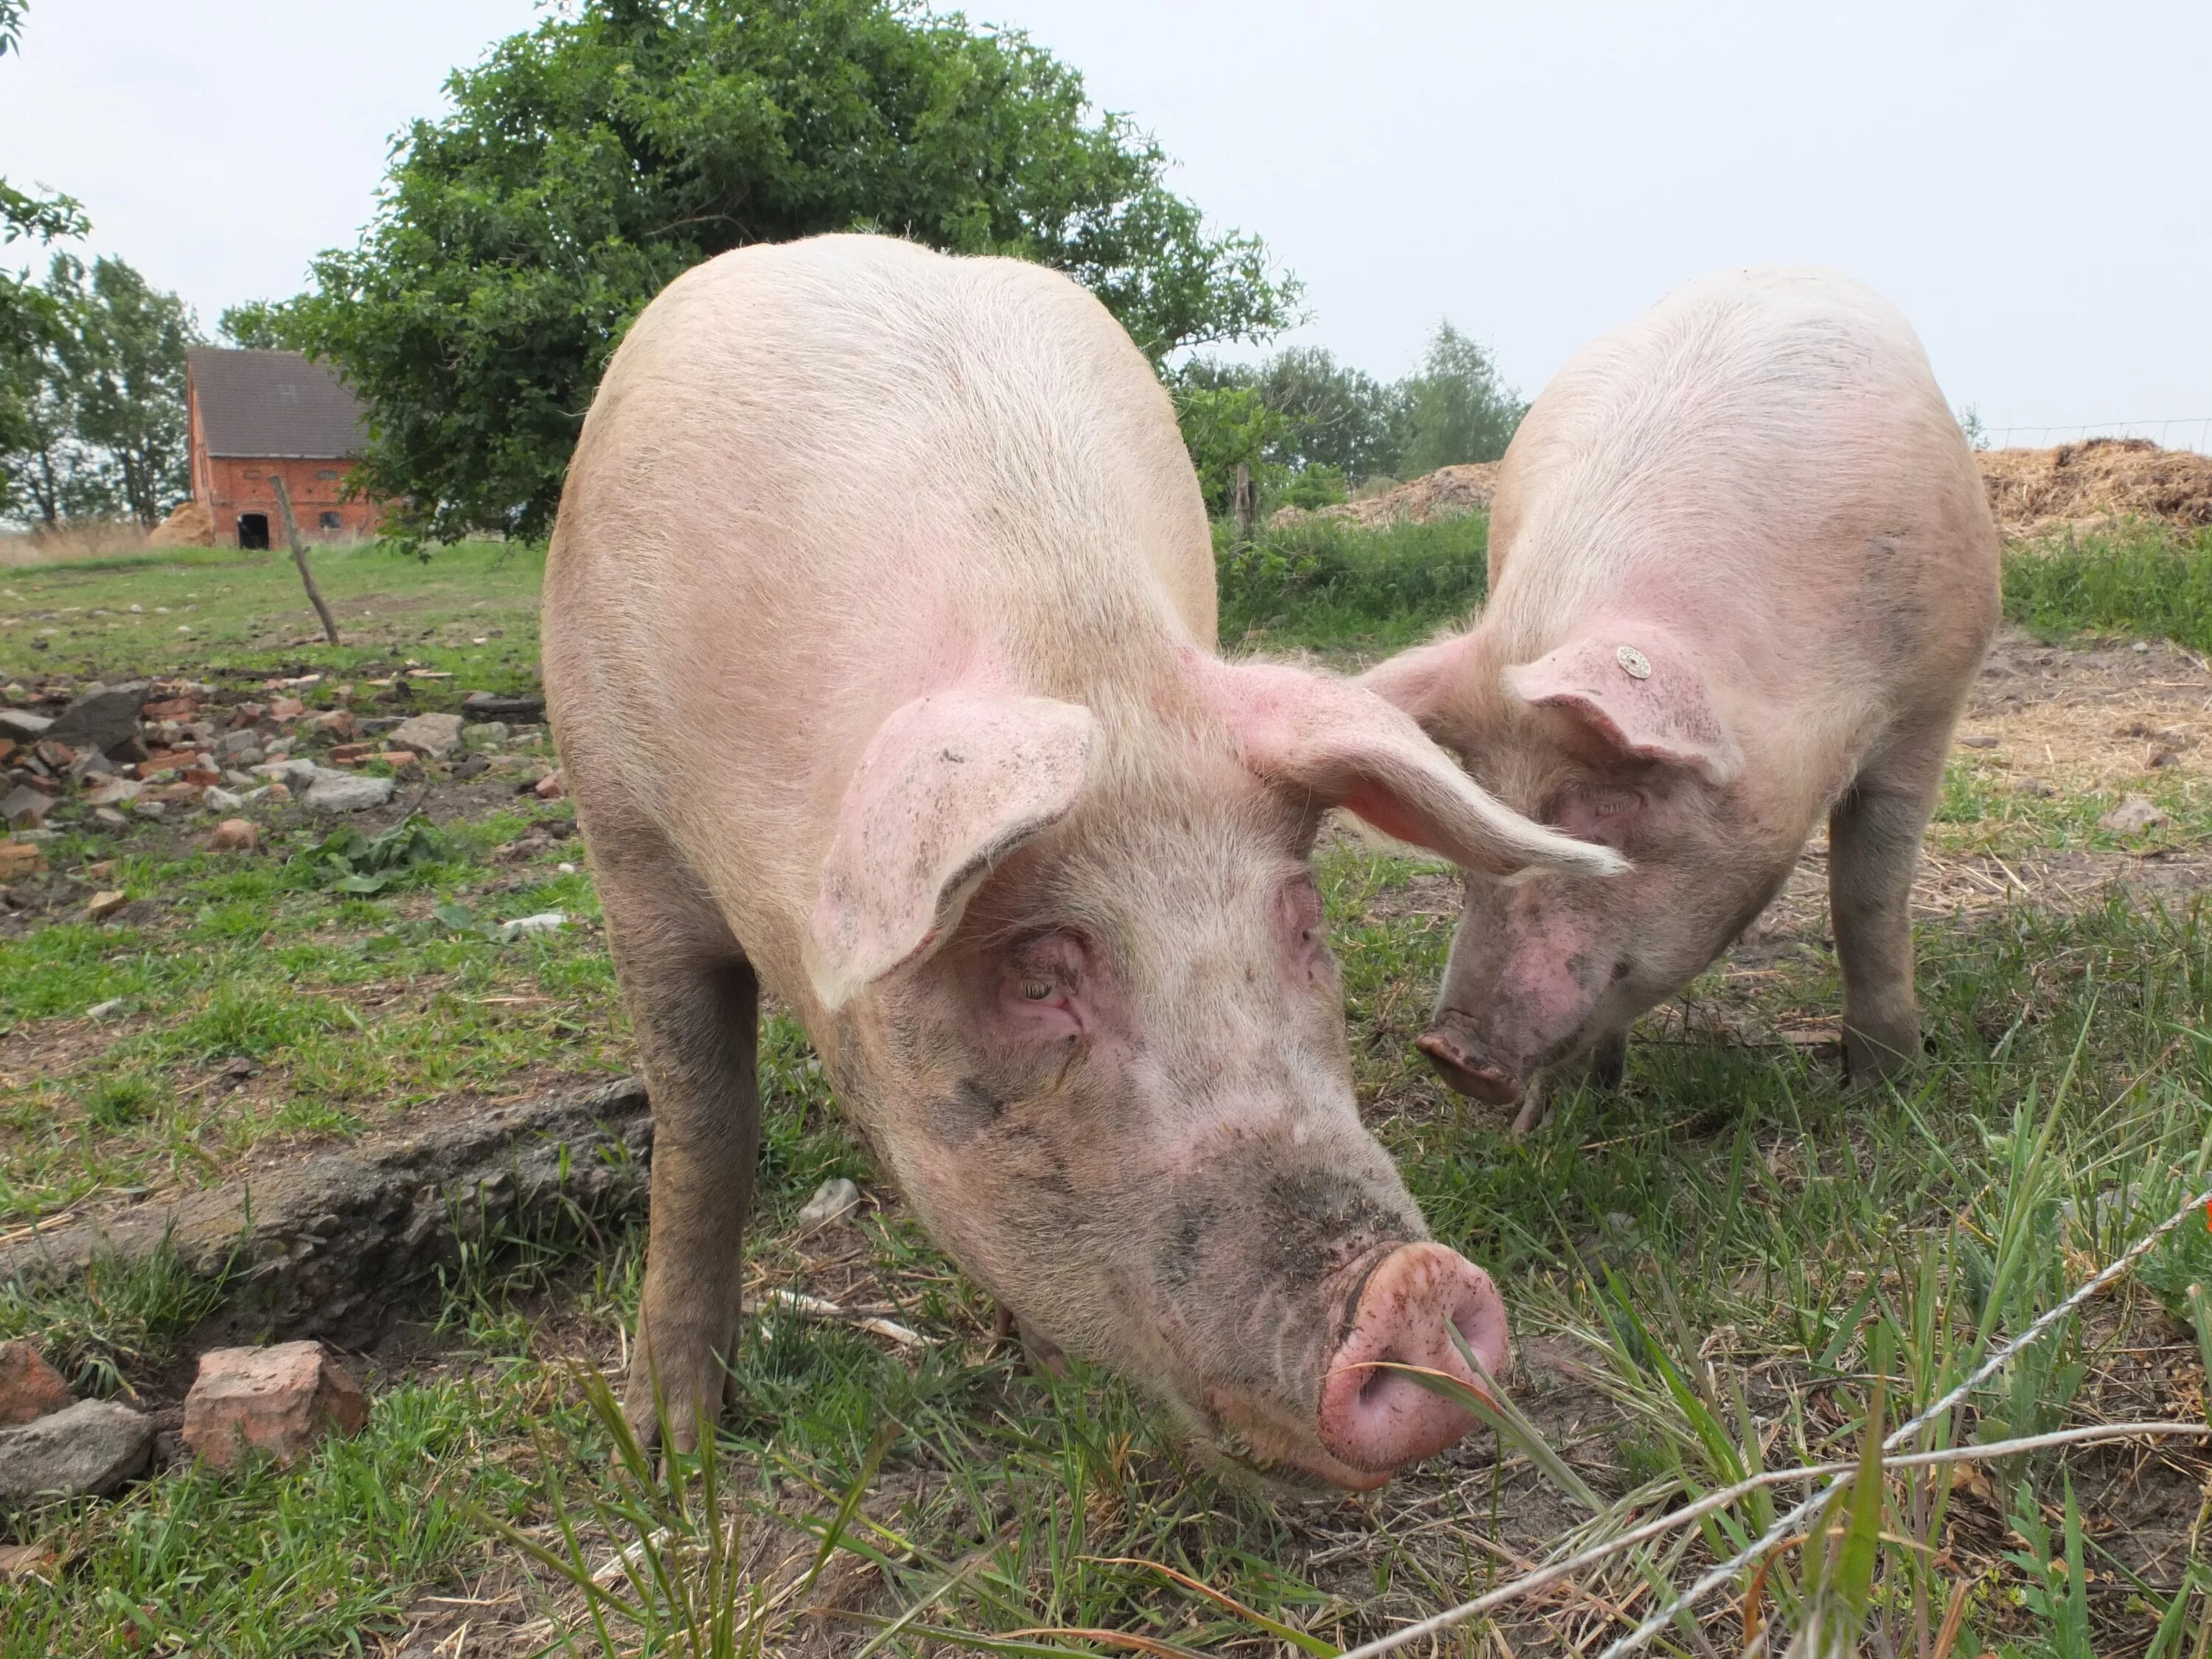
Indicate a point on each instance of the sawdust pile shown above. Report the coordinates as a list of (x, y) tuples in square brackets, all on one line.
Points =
[(2035, 491), (2032, 492), (191, 526), (1446, 493)]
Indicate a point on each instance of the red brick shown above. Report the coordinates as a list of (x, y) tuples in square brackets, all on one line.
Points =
[(29, 1387), (551, 787), (287, 708), (233, 835), (280, 1401), (346, 753)]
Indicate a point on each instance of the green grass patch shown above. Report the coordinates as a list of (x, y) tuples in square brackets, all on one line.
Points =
[(2142, 579)]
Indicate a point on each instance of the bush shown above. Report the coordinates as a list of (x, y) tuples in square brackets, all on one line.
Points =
[(1327, 583)]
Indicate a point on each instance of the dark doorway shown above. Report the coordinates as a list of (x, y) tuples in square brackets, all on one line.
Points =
[(253, 530)]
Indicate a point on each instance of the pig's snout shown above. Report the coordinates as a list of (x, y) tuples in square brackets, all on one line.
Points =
[(1373, 1417), (1463, 1066)]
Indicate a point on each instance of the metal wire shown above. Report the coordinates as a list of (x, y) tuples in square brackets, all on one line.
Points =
[(1837, 1475)]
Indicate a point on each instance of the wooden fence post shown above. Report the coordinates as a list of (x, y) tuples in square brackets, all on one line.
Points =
[(1244, 503), (299, 547)]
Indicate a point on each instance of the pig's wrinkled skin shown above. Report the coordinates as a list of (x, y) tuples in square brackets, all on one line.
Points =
[(880, 630), (1741, 575)]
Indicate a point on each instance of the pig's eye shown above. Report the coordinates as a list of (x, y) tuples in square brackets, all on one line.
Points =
[(1038, 990)]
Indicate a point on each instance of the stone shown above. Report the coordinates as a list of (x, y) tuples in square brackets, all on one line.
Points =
[(548, 921), (287, 708), (551, 787), (26, 807), (2036, 788), (832, 1202), (115, 791), (29, 1388), (89, 1449), (22, 726), (491, 706), (19, 858), (2134, 814), (232, 744), (2160, 758), (234, 834), (474, 767), (398, 759), (107, 818), (486, 735), (338, 723), (336, 793), (433, 736), (151, 809), (271, 793), (105, 904), (294, 772), (280, 1401), (103, 1010), (102, 718), (219, 799), (1979, 740), (351, 754)]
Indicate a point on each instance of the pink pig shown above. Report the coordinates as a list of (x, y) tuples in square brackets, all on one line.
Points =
[(878, 638), (1741, 576)]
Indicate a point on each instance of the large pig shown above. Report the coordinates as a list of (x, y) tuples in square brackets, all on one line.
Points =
[(879, 639), (1741, 576)]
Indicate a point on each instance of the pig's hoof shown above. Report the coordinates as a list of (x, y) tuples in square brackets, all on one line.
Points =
[(1608, 1063), (1871, 1058), (665, 1404)]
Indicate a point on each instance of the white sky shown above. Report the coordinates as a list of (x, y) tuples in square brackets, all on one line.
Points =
[(2028, 180)]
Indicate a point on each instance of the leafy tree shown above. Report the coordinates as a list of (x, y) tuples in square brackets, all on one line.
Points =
[(129, 372), (260, 325), (95, 410), (1225, 425), (1456, 409), (1347, 420), (587, 162)]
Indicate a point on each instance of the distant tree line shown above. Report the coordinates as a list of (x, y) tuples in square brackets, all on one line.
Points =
[(1309, 427), (92, 397), (92, 371)]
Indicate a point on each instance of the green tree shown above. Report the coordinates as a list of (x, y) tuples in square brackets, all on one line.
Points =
[(587, 162), (1456, 409), (1224, 426), (97, 401), (129, 370)]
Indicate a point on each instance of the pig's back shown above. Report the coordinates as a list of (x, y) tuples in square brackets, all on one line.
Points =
[(819, 480), (1764, 461)]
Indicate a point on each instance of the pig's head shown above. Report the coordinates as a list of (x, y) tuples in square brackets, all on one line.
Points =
[(1612, 737), (1086, 1011)]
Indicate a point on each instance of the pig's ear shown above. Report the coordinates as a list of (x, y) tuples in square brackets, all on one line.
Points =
[(1421, 681), (949, 786), (1633, 694), (1347, 747)]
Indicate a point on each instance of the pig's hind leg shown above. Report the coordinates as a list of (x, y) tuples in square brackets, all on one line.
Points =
[(695, 1006), (1873, 850)]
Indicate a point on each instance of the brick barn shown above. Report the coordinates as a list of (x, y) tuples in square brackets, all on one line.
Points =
[(254, 414)]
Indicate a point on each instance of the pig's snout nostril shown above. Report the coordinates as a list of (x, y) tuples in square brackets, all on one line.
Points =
[(1465, 1074), (1373, 1414)]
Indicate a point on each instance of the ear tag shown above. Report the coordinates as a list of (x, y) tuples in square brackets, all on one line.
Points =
[(1633, 663)]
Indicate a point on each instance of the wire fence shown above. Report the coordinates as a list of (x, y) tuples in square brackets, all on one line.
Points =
[(2192, 432), (1837, 1475)]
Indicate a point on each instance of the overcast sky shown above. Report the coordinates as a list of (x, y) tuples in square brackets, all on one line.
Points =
[(2031, 182)]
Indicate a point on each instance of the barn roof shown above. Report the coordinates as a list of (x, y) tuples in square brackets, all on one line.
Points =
[(273, 404)]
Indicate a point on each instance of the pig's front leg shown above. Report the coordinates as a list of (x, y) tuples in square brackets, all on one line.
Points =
[(1873, 850), (695, 1006)]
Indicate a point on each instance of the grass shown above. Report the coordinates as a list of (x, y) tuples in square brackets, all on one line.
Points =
[(1729, 1264), (2140, 580)]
